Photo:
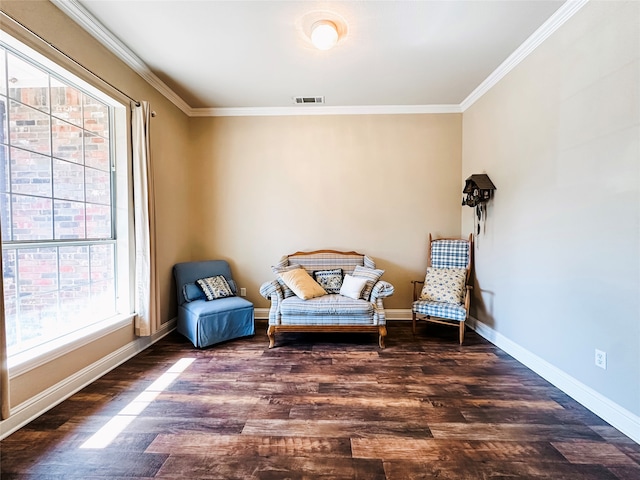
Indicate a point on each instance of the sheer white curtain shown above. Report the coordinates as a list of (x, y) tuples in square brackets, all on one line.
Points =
[(4, 370), (146, 289)]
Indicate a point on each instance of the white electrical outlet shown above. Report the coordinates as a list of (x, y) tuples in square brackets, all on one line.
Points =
[(243, 292), (601, 359)]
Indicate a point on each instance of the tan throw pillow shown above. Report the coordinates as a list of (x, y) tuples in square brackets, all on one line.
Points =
[(278, 270), (444, 285), (301, 283)]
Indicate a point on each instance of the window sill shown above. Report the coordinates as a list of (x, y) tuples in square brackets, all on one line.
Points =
[(38, 356)]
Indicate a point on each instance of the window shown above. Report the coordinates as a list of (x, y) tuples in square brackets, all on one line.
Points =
[(60, 249)]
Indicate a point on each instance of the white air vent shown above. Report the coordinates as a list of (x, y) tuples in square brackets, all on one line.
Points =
[(307, 100)]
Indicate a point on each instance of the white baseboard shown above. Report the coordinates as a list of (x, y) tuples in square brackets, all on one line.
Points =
[(397, 313), (619, 417), (52, 396)]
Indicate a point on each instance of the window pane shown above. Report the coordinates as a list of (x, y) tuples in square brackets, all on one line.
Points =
[(98, 221), (68, 180), (102, 280), (37, 271), (28, 84), (69, 220), (5, 218), (75, 291), (29, 128), (67, 141), (30, 173), (55, 189), (4, 169), (37, 294), (38, 319), (32, 218), (10, 295), (4, 138), (3, 77), (96, 152), (98, 186), (66, 102), (96, 116)]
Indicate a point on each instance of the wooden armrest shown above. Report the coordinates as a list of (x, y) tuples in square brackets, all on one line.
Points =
[(415, 286)]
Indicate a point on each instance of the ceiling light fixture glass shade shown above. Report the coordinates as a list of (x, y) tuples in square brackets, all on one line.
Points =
[(324, 34)]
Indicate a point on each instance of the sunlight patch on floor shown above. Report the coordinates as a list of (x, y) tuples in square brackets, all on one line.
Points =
[(103, 437)]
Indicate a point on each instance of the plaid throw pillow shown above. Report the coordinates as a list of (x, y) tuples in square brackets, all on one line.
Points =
[(278, 270), (215, 287), (372, 275)]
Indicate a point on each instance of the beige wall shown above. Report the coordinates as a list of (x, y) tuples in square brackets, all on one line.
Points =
[(169, 144), (558, 269), (268, 186)]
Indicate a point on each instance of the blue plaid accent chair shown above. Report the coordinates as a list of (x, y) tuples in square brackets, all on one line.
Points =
[(444, 295)]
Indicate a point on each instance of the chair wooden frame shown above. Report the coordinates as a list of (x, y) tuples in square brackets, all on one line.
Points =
[(417, 288)]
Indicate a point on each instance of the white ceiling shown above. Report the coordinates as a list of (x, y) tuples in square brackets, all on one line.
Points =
[(256, 54)]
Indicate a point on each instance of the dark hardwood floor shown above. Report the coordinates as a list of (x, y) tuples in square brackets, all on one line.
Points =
[(322, 406)]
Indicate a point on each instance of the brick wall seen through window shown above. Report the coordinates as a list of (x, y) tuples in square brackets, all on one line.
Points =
[(56, 204)]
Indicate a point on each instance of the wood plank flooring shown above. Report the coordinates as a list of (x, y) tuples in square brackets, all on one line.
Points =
[(322, 406)]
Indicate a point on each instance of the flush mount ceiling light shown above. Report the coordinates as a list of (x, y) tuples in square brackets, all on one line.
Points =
[(324, 34), (322, 28)]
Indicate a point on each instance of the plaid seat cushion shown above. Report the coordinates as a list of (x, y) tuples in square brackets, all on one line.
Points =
[(326, 305), (449, 253), (329, 320), (326, 310), (449, 311)]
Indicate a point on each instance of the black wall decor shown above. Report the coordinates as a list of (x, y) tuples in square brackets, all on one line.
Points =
[(478, 189)]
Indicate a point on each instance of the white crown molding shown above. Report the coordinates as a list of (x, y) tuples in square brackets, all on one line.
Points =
[(621, 418), (564, 13), (86, 20), (324, 110)]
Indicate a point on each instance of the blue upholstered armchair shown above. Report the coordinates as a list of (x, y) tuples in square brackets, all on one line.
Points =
[(207, 322)]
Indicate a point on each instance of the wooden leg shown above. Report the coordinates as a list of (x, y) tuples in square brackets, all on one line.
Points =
[(382, 329), (413, 317), (461, 332), (271, 331)]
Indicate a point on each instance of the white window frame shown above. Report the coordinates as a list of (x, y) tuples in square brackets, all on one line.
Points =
[(22, 362)]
